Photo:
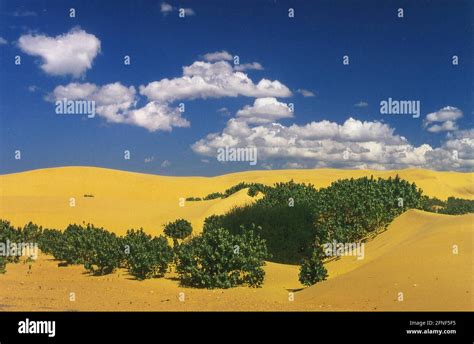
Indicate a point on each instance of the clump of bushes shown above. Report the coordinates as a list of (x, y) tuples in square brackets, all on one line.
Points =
[(104, 252), (178, 230), (253, 189), (218, 259), (453, 206), (312, 269), (146, 256)]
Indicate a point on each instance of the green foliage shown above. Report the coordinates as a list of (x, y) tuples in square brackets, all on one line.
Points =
[(218, 259), (253, 189), (350, 209), (73, 245), (213, 195), (312, 270), (288, 231), (288, 194), (193, 199), (104, 251), (457, 206), (12, 235), (179, 229), (50, 241), (146, 257)]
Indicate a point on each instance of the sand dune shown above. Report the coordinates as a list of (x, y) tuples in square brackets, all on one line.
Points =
[(413, 256), (124, 200)]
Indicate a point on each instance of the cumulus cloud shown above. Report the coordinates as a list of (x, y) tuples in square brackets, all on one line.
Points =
[(3, 41), (306, 93), (352, 144), (264, 110), (248, 66), (166, 8), (443, 120), (68, 54), (118, 104), (165, 164), (212, 80), (218, 56)]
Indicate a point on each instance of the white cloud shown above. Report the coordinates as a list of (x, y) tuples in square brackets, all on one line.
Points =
[(166, 8), (361, 104), (306, 93), (218, 56), (189, 11), (68, 54), (265, 110), (352, 144), (32, 88), (165, 164), (248, 66), (117, 104), (445, 126), (446, 117), (149, 159), (3, 41), (212, 80), (224, 111)]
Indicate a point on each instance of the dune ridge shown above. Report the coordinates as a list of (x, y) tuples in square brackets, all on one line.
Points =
[(124, 200)]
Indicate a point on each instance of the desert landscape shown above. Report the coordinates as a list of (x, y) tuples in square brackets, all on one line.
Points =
[(413, 256)]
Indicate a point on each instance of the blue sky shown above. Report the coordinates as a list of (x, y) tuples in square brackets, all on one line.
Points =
[(337, 124)]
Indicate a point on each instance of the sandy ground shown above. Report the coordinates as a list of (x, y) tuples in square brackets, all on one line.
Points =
[(414, 256)]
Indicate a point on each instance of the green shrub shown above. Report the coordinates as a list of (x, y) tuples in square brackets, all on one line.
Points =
[(146, 257), (312, 270), (50, 241), (105, 251), (178, 230), (288, 231), (457, 206), (218, 259), (10, 234), (73, 245), (213, 195)]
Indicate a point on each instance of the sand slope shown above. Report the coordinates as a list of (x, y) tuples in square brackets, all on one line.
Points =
[(416, 257), (124, 200)]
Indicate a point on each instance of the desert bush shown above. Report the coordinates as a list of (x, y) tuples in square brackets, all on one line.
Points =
[(288, 194), (312, 270), (10, 234), (178, 230), (73, 245), (213, 195), (50, 241), (105, 251), (457, 206), (193, 199), (146, 257), (218, 259), (288, 231)]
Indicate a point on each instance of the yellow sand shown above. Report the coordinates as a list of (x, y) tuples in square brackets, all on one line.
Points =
[(124, 200), (414, 256)]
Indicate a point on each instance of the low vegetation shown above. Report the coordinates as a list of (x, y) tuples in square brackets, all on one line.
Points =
[(289, 224)]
